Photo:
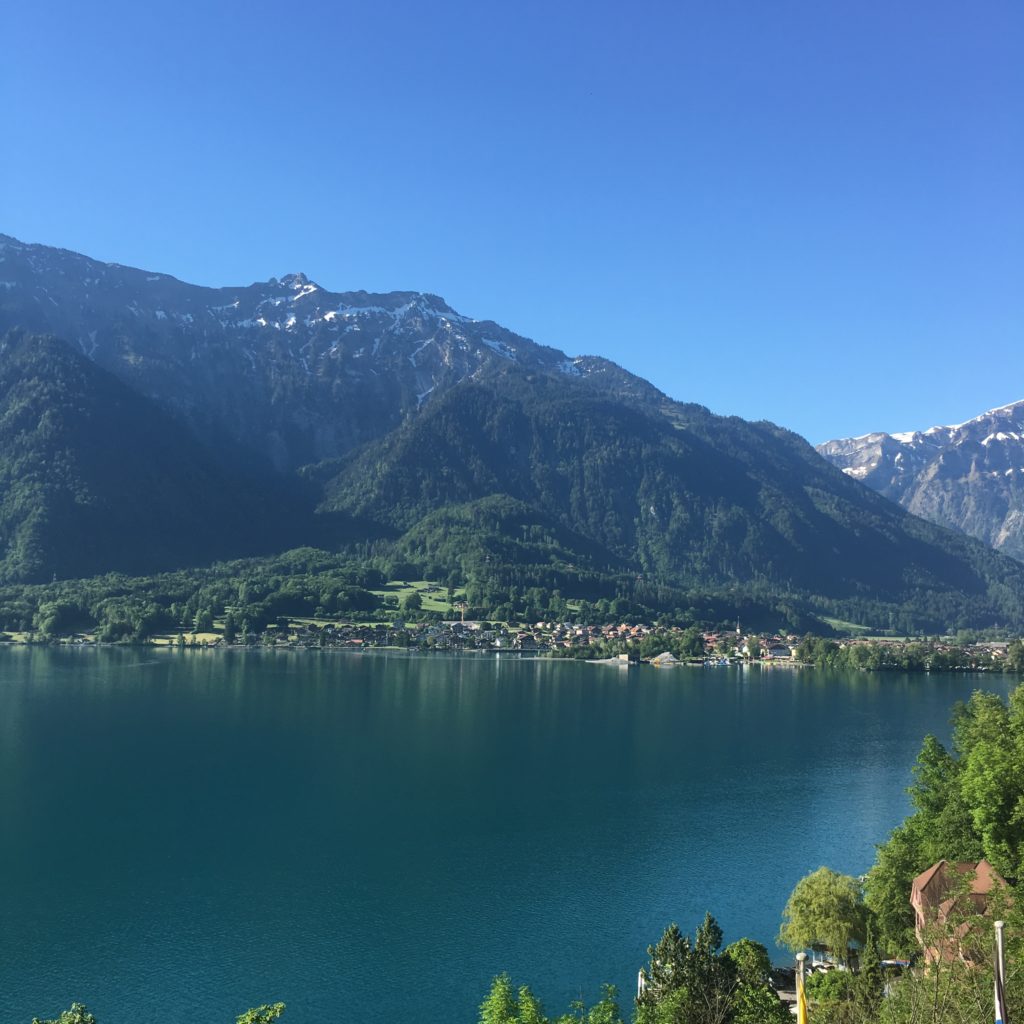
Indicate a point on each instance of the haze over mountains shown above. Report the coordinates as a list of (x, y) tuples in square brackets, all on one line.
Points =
[(968, 477), (287, 371), (288, 414)]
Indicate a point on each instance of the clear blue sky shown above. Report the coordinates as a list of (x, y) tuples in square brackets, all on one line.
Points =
[(806, 211)]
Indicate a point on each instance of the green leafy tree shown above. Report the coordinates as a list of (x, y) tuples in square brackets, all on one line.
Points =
[(530, 1010), (1015, 656), (825, 910), (758, 1004), (687, 983), (887, 888), (666, 971), (59, 618), (969, 803), (674, 1007), (605, 1011), (78, 1014), (203, 621), (265, 1014), (505, 1005), (991, 780), (500, 1006), (952, 991), (754, 1001)]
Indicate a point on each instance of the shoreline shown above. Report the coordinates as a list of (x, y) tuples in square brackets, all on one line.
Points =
[(457, 654)]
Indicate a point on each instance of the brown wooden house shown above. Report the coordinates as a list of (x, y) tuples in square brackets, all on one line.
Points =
[(945, 898)]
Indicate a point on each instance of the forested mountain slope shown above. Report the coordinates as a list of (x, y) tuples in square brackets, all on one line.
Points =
[(94, 477), (672, 490), (181, 424)]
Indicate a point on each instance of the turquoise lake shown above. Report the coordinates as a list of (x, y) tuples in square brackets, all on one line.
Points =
[(374, 837)]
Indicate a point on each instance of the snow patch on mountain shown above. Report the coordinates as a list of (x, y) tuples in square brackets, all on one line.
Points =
[(504, 350), (961, 476)]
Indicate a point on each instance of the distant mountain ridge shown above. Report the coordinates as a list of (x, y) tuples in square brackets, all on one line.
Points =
[(396, 428), (968, 477), (284, 368)]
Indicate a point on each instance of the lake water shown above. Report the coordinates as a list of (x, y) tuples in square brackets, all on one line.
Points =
[(373, 837)]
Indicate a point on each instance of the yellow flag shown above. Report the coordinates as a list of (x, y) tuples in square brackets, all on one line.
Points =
[(801, 1001)]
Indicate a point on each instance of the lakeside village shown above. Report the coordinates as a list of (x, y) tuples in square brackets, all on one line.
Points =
[(621, 644)]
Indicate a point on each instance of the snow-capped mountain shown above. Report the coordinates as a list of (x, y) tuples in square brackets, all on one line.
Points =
[(969, 476), (283, 367), (164, 424)]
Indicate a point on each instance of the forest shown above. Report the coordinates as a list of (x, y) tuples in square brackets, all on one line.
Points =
[(533, 491)]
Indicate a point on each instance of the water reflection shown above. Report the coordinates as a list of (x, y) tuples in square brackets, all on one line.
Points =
[(222, 828)]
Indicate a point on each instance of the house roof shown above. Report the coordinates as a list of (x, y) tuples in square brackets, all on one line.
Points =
[(986, 878), (932, 885), (926, 877)]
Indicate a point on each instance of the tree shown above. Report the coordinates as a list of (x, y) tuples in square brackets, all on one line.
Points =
[(504, 1005), (667, 968), (59, 618), (605, 1011), (758, 1004), (750, 960), (530, 1010), (831, 998), (991, 782), (968, 803), (887, 890), (412, 602), (825, 910), (713, 974), (78, 1014), (265, 1014), (500, 1005), (687, 984), (1015, 656), (952, 991), (845, 997)]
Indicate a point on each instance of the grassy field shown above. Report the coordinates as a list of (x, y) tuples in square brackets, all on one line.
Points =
[(850, 628), (171, 639), (433, 595)]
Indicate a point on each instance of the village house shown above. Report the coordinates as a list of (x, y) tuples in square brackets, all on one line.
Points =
[(945, 898)]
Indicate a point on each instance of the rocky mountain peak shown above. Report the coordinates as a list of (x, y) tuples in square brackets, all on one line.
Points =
[(969, 476), (285, 367), (296, 282)]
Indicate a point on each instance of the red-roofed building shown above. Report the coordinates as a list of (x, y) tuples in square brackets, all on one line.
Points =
[(945, 897)]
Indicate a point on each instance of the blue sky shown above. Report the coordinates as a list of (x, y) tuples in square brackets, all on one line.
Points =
[(786, 209)]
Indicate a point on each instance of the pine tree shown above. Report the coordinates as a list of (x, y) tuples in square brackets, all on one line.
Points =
[(500, 1005)]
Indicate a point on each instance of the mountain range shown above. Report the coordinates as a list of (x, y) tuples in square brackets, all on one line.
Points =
[(969, 477), (282, 370), (168, 424)]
